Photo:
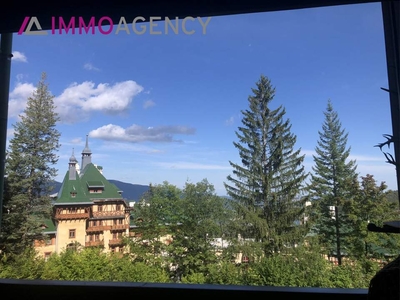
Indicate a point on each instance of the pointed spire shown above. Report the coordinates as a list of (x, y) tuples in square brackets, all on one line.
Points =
[(72, 166), (72, 159), (87, 150), (86, 154)]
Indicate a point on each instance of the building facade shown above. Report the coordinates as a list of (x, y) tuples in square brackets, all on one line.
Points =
[(88, 211)]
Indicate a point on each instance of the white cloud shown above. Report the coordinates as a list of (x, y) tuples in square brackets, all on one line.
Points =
[(10, 133), (358, 158), (90, 67), (19, 77), (191, 166), (136, 133), (76, 141), (120, 146), (18, 98), (230, 121), (19, 56), (148, 103), (78, 100), (308, 153)]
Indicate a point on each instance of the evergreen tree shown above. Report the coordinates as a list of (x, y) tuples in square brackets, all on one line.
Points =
[(29, 171), (372, 205), (333, 183), (266, 185)]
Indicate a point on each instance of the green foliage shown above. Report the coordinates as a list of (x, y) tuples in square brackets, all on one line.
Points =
[(204, 217), (191, 218), (333, 184), (29, 170), (194, 278), (266, 185), (91, 264), (25, 265), (225, 272), (371, 205), (392, 196), (156, 215), (301, 267)]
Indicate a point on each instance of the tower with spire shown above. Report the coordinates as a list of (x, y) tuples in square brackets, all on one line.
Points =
[(86, 154), (88, 209), (72, 166)]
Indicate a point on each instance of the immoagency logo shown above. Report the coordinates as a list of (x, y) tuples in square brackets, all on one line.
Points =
[(77, 25)]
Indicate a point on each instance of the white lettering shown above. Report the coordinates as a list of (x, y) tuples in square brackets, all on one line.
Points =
[(152, 19), (142, 26), (204, 25), (126, 28), (184, 27)]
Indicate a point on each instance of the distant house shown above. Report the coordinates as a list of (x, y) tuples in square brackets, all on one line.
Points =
[(88, 211)]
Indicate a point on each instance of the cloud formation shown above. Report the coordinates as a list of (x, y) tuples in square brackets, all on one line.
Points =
[(90, 67), (19, 56), (148, 103), (179, 165), (230, 121), (18, 98), (10, 133), (77, 141), (358, 158), (137, 134), (79, 100)]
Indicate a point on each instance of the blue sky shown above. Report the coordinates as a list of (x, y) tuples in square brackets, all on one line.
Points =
[(166, 107)]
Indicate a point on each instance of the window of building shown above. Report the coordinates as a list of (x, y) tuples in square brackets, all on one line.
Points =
[(72, 233), (94, 223), (118, 207), (95, 191), (99, 208), (120, 221), (97, 237), (114, 236), (47, 255)]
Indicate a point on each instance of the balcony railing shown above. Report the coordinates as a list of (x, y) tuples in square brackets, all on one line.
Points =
[(98, 228), (120, 227), (74, 215), (94, 243), (100, 214), (115, 242)]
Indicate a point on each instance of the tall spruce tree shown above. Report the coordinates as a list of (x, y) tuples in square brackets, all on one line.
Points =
[(333, 184), (266, 185), (29, 171)]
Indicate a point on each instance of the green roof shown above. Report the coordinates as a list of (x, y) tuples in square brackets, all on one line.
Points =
[(72, 186), (91, 174), (50, 226), (90, 177), (94, 184)]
